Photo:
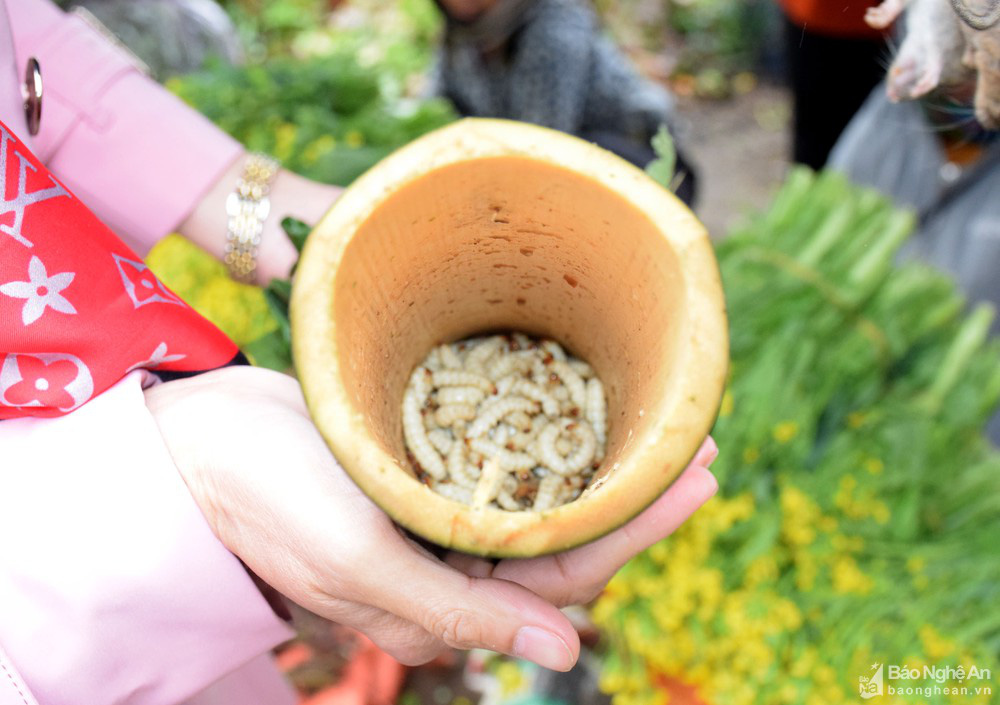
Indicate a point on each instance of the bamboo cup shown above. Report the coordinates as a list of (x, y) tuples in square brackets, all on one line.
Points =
[(490, 225)]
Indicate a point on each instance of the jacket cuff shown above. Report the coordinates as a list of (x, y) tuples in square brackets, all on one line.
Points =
[(113, 587)]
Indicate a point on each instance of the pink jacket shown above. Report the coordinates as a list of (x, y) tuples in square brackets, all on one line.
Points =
[(113, 588)]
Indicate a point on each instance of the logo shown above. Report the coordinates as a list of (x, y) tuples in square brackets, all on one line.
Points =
[(21, 199), (929, 680), (871, 685)]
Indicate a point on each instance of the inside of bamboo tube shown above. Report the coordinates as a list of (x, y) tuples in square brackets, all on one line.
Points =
[(504, 244)]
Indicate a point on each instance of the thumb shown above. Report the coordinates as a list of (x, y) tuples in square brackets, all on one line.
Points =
[(468, 613)]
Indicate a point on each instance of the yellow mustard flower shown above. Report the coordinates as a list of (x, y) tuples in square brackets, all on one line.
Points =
[(785, 431), (284, 141), (726, 407), (874, 465), (848, 577)]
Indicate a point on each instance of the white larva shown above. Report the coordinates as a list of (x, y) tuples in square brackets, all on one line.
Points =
[(577, 387), (519, 420), (554, 349), (487, 416), (505, 497), (489, 484), (596, 410), (433, 361), (506, 501), (532, 391), (581, 368), (548, 491), (495, 409), (518, 362), (575, 461), (453, 413), (479, 355), (505, 385), (416, 438), (440, 439), (539, 371), (460, 395), (459, 378), (460, 471), (453, 492), (509, 460), (420, 383), (449, 358)]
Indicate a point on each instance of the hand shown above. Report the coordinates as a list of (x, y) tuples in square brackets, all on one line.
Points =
[(290, 195), (274, 495)]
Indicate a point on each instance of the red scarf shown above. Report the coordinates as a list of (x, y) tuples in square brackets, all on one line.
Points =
[(78, 308)]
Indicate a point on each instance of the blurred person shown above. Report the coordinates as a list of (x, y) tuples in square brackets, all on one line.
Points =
[(549, 62), (834, 61), (146, 476), (934, 155), (170, 37)]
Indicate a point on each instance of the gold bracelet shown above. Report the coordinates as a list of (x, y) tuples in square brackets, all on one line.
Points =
[(247, 207)]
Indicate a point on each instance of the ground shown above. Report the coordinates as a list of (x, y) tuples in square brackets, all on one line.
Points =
[(741, 148)]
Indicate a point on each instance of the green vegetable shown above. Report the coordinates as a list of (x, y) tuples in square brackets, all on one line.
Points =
[(661, 169), (327, 118), (858, 509)]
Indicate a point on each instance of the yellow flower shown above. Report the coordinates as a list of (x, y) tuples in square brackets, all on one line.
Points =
[(848, 578), (874, 466), (856, 418), (788, 693), (750, 454), (762, 569), (354, 139), (807, 570), (726, 407), (284, 141), (317, 148), (510, 677), (847, 544), (936, 646), (880, 512), (785, 431)]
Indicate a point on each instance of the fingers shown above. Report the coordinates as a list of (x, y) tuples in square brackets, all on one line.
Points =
[(578, 575), (706, 454), (467, 612)]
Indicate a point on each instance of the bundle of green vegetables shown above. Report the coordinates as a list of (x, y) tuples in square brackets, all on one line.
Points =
[(328, 117), (859, 506)]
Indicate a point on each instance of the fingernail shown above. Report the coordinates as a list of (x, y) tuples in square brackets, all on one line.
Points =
[(713, 451), (543, 647), (715, 483)]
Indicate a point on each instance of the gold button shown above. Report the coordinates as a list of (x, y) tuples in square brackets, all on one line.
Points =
[(32, 91)]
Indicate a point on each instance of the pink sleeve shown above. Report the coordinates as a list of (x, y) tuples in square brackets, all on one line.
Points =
[(136, 155), (113, 588)]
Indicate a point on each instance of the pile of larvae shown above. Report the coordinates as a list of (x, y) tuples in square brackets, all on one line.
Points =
[(505, 421)]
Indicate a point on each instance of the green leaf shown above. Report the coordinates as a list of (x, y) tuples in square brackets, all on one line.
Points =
[(278, 294), (271, 351), (297, 232), (661, 169)]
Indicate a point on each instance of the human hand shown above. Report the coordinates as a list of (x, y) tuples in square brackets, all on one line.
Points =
[(290, 195), (274, 495)]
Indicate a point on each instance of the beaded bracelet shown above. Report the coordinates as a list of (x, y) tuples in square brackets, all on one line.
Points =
[(247, 207)]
